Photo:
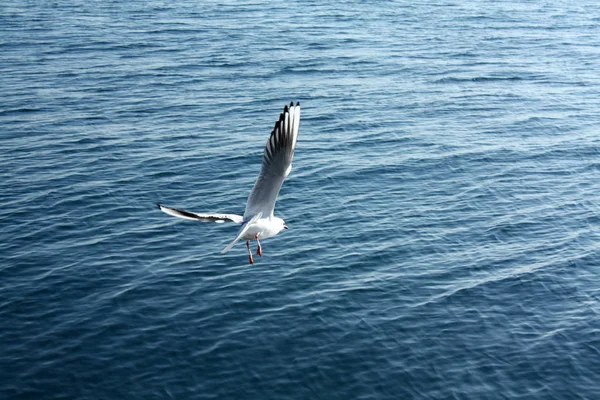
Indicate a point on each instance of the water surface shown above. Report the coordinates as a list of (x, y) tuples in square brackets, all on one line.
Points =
[(443, 206)]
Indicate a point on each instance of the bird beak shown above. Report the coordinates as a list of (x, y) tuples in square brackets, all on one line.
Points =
[(285, 227)]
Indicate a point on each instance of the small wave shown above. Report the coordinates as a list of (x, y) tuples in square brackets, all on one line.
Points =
[(479, 79)]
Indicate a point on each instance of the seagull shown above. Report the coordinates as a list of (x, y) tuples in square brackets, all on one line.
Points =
[(258, 221)]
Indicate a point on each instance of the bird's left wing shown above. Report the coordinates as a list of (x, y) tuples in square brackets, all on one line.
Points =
[(218, 218), (276, 164)]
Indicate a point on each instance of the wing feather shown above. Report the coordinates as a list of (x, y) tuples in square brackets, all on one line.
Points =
[(218, 218), (276, 163)]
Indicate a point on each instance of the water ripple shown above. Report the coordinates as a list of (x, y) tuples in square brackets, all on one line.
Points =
[(443, 205)]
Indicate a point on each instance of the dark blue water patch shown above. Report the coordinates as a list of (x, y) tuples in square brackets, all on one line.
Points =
[(442, 203)]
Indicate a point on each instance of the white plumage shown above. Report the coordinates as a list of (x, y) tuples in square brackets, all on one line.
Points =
[(258, 221)]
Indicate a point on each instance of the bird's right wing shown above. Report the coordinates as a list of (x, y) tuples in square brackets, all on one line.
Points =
[(276, 163), (218, 218)]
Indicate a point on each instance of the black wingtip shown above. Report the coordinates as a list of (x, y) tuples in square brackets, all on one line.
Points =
[(291, 104), (298, 104), (159, 206), (285, 109)]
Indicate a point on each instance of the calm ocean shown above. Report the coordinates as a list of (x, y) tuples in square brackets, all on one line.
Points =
[(444, 206)]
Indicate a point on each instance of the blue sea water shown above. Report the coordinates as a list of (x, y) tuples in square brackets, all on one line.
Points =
[(444, 206)]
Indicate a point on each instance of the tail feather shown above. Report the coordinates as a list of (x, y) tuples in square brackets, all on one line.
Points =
[(242, 232)]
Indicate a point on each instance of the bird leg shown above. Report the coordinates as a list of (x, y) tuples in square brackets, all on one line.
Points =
[(249, 252), (259, 250)]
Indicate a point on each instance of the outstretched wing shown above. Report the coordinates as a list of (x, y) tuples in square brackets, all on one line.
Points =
[(218, 218), (276, 163)]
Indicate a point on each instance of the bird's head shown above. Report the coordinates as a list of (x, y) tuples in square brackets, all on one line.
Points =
[(282, 224)]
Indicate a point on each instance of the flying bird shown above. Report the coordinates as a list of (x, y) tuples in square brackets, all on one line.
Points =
[(258, 221)]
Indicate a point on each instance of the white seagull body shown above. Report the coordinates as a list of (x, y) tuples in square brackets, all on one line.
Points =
[(258, 221)]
